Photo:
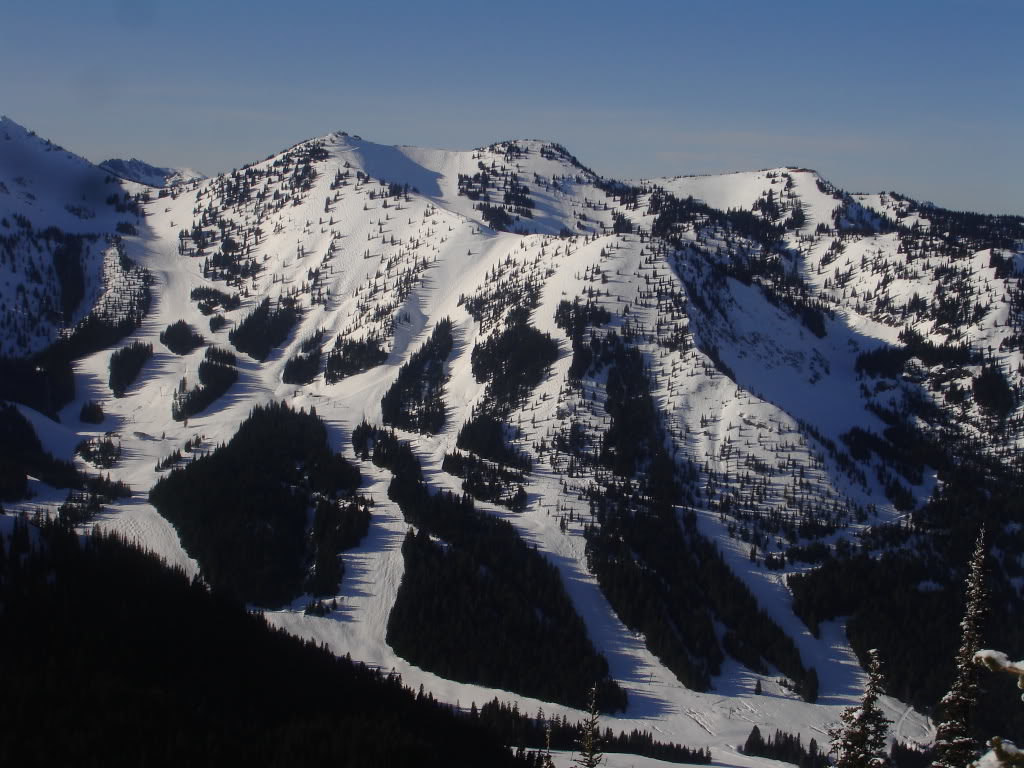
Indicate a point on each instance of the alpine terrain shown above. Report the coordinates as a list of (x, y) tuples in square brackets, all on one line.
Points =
[(682, 451)]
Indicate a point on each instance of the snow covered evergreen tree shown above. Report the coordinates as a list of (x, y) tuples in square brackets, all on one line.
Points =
[(954, 746), (859, 742)]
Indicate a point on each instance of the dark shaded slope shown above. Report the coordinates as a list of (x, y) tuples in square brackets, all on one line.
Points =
[(123, 661)]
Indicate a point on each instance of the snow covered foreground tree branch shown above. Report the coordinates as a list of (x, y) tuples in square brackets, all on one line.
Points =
[(1002, 753)]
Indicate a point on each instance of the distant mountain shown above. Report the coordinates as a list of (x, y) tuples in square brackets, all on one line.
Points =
[(59, 217), (150, 175), (691, 438)]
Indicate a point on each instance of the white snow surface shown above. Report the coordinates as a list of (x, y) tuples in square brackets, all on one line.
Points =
[(784, 378), (723, 191)]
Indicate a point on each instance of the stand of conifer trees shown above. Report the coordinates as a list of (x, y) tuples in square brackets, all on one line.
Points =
[(531, 732), (487, 482), (211, 299), (484, 435), (181, 338), (266, 327), (217, 373), (514, 361), (241, 511), (785, 747), (481, 606), (303, 367), (416, 400), (125, 365), (351, 357)]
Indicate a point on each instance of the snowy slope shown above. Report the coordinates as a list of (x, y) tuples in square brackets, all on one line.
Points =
[(53, 187), (725, 191), (152, 176), (564, 192), (744, 387), (57, 215)]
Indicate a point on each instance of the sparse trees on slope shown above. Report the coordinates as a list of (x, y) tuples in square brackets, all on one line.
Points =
[(860, 741), (954, 746)]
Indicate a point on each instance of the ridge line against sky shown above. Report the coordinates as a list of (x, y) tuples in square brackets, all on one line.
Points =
[(919, 97)]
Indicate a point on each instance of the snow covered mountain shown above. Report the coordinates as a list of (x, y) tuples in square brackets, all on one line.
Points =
[(150, 175), (702, 400), (59, 216)]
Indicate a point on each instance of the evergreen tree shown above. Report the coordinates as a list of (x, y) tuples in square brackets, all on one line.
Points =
[(754, 743), (545, 760), (589, 742), (954, 746), (808, 687), (860, 741)]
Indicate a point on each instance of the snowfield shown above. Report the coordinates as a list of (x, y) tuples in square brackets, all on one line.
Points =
[(435, 244)]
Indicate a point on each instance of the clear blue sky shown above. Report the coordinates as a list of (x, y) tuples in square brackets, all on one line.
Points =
[(926, 98)]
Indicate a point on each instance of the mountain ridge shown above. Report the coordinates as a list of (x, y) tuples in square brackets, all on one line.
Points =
[(748, 323), (150, 175)]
